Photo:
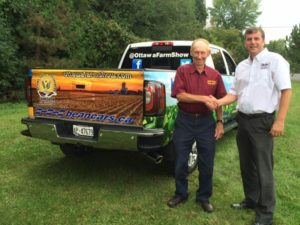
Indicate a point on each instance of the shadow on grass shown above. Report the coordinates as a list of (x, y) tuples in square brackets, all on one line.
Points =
[(105, 168), (109, 168)]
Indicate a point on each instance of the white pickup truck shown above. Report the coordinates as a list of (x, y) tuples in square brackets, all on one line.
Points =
[(129, 108)]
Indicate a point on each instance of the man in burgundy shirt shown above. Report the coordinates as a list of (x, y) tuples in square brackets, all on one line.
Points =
[(196, 88)]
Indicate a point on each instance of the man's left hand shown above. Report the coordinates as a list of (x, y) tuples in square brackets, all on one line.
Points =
[(219, 131), (277, 128)]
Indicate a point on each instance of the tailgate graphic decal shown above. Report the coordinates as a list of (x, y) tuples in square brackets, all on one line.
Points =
[(104, 96)]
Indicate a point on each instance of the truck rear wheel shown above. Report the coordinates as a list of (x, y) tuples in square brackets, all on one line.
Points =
[(171, 157), (193, 158), (73, 150)]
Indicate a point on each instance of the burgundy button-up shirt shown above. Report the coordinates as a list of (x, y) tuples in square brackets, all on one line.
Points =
[(189, 80)]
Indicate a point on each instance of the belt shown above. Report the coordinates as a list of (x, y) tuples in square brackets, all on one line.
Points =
[(195, 115), (255, 115)]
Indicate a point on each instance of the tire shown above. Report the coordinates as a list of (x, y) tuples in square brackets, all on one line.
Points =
[(170, 157), (193, 158), (73, 150)]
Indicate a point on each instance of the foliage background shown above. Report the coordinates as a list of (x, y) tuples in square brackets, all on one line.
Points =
[(94, 33)]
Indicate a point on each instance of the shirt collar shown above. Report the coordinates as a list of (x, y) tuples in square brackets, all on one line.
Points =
[(259, 56), (204, 72)]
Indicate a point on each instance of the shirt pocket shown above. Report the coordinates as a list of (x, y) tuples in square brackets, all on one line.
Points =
[(211, 87), (263, 78)]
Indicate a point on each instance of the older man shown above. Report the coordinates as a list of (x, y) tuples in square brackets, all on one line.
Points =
[(194, 84)]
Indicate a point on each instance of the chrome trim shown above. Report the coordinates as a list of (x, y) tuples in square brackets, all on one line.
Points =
[(110, 139)]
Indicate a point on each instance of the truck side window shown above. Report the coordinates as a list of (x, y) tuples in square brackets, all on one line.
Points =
[(218, 60), (230, 63)]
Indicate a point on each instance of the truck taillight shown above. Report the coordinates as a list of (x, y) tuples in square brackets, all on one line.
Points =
[(155, 98), (28, 91), (28, 94)]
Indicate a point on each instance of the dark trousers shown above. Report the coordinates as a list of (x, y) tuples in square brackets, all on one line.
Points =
[(255, 145), (189, 129)]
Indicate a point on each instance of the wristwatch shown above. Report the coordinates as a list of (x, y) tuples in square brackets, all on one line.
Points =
[(220, 121)]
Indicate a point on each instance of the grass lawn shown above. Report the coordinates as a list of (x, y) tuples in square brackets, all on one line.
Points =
[(38, 185)]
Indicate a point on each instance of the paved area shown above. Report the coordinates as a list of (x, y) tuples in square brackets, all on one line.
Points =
[(296, 76)]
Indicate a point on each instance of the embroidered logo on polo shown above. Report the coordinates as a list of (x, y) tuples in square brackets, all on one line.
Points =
[(211, 82), (264, 66)]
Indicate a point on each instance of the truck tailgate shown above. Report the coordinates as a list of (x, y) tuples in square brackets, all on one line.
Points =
[(98, 96)]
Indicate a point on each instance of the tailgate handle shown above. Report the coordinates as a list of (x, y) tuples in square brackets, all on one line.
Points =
[(80, 86)]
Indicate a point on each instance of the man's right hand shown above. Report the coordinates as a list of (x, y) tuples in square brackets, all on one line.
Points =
[(211, 102)]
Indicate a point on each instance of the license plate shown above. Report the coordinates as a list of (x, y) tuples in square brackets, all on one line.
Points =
[(86, 131)]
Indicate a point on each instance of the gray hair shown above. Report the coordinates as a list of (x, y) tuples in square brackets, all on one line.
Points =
[(200, 40)]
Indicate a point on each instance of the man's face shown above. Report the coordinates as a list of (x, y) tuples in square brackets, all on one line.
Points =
[(199, 52), (254, 43)]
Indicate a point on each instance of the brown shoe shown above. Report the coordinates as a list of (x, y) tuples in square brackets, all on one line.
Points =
[(207, 207), (176, 200)]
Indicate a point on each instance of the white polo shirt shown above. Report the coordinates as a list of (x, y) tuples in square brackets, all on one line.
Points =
[(258, 82)]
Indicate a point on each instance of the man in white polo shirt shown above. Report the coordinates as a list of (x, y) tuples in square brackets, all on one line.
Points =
[(262, 87)]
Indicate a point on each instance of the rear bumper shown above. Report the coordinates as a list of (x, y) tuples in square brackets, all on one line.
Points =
[(105, 136)]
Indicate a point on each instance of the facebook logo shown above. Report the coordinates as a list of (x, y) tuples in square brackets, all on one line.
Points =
[(137, 64), (185, 61)]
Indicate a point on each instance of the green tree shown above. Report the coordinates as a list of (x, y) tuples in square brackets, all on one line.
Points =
[(35, 27), (170, 19), (294, 49), (47, 32), (279, 46), (10, 79), (238, 14), (65, 34), (201, 13), (230, 39), (103, 43)]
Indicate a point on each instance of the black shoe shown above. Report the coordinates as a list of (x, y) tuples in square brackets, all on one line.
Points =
[(207, 207), (242, 205), (176, 200), (258, 223)]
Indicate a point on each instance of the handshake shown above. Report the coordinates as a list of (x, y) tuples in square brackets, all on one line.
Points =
[(212, 103)]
